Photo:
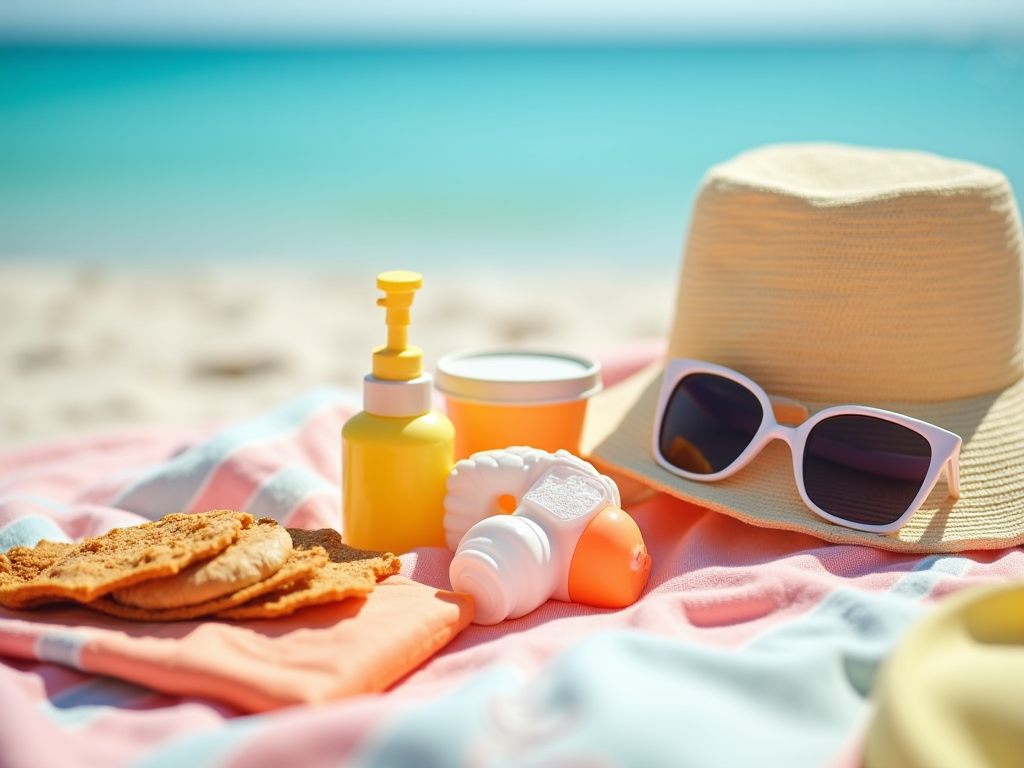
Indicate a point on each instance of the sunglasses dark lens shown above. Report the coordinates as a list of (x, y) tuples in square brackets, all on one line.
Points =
[(864, 469), (709, 421)]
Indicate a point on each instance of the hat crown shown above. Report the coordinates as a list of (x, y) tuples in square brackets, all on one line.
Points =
[(842, 274)]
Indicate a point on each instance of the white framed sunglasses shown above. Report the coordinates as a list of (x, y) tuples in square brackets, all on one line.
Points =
[(860, 467)]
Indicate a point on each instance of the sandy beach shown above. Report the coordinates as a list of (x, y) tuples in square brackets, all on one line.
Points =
[(92, 349)]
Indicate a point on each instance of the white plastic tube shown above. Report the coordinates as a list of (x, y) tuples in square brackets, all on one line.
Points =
[(512, 564), (505, 564)]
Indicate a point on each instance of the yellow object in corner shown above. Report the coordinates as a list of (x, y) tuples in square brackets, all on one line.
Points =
[(950, 695), (396, 453)]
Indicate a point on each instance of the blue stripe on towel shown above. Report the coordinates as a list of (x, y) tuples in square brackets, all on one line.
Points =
[(80, 705), (831, 617), (928, 572), (203, 750), (628, 698), (28, 531), (285, 490), (171, 487)]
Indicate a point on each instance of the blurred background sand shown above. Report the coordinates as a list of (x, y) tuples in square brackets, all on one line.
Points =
[(83, 349)]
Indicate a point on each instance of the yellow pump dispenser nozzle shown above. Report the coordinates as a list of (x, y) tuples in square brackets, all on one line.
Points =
[(396, 452), (396, 360)]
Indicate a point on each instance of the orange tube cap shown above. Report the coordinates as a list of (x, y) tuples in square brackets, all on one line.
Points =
[(610, 566)]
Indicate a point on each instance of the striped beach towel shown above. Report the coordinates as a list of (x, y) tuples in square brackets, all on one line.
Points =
[(749, 646)]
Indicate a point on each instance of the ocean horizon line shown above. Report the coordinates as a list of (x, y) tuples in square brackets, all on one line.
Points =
[(1010, 39)]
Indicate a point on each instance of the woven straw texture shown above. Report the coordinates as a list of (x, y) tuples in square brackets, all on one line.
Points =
[(838, 275)]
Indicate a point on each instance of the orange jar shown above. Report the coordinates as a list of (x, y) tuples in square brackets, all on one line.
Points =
[(503, 398)]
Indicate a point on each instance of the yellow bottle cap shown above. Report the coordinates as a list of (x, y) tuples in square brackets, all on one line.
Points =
[(397, 361), (399, 280)]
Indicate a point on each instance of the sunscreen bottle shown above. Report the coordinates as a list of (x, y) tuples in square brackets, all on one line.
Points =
[(397, 452), (567, 539)]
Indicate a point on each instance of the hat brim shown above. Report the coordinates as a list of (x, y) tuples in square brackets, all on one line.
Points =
[(988, 515)]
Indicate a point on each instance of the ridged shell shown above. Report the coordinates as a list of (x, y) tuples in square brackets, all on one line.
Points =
[(475, 484)]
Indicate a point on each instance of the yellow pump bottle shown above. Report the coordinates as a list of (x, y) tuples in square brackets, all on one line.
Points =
[(397, 452)]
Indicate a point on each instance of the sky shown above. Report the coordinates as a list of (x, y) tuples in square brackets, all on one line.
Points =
[(301, 21)]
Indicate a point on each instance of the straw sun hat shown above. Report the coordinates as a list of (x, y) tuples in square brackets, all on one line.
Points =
[(839, 275)]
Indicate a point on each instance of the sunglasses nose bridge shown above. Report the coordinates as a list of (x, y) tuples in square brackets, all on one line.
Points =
[(780, 432)]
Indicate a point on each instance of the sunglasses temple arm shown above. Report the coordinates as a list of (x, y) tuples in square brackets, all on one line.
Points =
[(953, 475)]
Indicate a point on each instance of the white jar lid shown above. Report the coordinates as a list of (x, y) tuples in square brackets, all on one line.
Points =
[(518, 377)]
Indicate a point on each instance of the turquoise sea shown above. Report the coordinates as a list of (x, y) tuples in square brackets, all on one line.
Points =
[(356, 158)]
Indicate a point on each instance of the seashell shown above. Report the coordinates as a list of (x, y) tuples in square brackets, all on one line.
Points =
[(610, 565), (493, 482)]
